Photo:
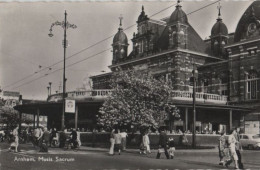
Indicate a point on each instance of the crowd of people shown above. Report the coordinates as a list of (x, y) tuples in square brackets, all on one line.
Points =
[(229, 146), (43, 138)]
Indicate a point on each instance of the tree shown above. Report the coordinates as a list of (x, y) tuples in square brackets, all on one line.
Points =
[(10, 117), (137, 99)]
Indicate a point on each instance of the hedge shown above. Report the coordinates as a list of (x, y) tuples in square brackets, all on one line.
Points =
[(133, 140)]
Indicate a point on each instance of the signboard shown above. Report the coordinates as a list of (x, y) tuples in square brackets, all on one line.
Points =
[(11, 93), (70, 106)]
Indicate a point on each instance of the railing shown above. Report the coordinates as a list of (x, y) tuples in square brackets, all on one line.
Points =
[(200, 97), (81, 95), (176, 95)]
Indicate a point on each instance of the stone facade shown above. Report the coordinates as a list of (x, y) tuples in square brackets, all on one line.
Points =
[(228, 63)]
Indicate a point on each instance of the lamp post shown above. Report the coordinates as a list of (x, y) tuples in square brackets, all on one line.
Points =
[(50, 87), (193, 81), (65, 25)]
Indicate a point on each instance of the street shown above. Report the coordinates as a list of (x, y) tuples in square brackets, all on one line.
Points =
[(97, 158)]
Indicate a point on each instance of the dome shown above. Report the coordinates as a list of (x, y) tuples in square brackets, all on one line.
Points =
[(178, 16), (120, 37), (142, 16), (219, 28), (251, 15)]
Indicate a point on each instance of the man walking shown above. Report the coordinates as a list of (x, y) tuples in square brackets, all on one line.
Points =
[(163, 144), (238, 147)]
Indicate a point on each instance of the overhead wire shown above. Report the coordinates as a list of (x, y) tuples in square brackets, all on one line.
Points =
[(101, 42), (80, 51)]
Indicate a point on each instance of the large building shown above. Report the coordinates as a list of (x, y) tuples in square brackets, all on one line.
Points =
[(227, 79), (228, 65)]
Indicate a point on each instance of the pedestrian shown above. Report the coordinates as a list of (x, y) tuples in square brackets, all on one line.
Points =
[(123, 136), (78, 138), (40, 134), (184, 140), (142, 147), (36, 135), (238, 148), (15, 140), (73, 138), (118, 141), (232, 149), (171, 147), (44, 140), (53, 135), (221, 148), (62, 139), (162, 144), (146, 142), (112, 142), (94, 137)]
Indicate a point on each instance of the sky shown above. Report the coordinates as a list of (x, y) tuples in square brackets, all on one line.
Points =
[(28, 54)]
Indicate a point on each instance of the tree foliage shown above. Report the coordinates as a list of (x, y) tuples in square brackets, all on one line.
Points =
[(10, 117), (137, 99)]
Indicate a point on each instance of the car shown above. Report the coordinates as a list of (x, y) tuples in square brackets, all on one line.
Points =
[(250, 141)]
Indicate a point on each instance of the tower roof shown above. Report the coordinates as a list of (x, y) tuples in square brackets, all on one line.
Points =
[(178, 15), (142, 16), (219, 28), (120, 36)]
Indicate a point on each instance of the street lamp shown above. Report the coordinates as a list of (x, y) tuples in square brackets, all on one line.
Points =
[(50, 87), (193, 81), (65, 25)]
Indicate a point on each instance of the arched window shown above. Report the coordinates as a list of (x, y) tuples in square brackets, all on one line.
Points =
[(251, 86)]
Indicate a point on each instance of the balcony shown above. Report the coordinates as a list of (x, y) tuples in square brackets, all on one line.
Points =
[(82, 95), (176, 96), (200, 97)]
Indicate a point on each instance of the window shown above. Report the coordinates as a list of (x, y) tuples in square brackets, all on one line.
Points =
[(205, 85), (141, 46), (223, 88), (251, 86)]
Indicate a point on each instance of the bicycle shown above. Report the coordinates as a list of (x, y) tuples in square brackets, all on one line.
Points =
[(69, 145)]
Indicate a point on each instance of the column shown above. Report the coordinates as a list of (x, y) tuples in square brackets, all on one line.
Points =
[(186, 119), (230, 119), (76, 116), (38, 116), (20, 121), (34, 120)]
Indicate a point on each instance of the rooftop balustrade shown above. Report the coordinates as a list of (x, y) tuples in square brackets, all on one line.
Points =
[(102, 94)]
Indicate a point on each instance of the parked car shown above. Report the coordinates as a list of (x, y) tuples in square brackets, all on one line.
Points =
[(250, 141)]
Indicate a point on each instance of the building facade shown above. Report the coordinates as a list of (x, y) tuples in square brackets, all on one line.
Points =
[(228, 65)]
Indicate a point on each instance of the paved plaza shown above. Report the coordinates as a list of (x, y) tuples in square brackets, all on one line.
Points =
[(98, 158)]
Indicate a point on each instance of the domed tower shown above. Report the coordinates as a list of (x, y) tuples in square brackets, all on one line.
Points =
[(177, 28), (141, 39), (120, 44), (219, 36)]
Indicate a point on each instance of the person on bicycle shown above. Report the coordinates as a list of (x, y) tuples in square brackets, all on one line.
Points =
[(73, 138)]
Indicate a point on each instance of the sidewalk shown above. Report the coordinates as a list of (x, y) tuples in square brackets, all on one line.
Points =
[(195, 156)]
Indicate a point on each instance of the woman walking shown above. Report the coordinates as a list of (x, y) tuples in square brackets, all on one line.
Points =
[(146, 143), (232, 149), (112, 142), (118, 141), (15, 143)]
